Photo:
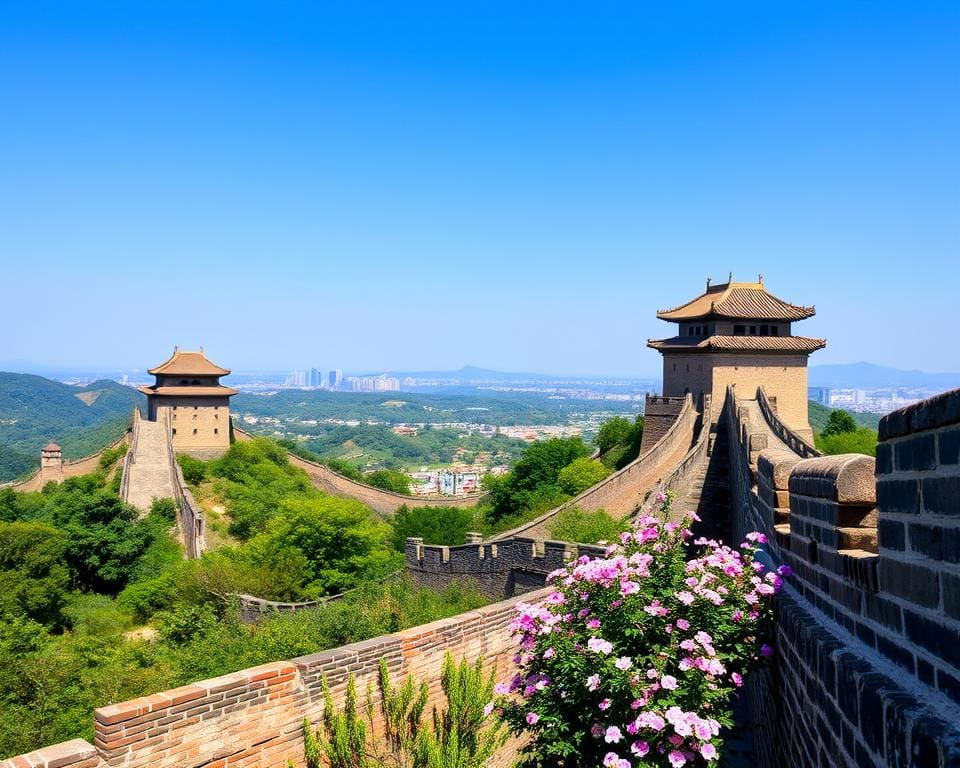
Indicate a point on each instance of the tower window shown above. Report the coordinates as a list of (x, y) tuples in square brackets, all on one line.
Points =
[(753, 330), (773, 330), (174, 430), (216, 431), (739, 330), (194, 431), (194, 407)]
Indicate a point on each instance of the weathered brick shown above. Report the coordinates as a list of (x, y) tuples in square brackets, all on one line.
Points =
[(916, 453), (949, 447), (941, 495), (936, 542), (938, 639), (898, 496), (884, 459), (951, 594), (891, 534), (912, 582)]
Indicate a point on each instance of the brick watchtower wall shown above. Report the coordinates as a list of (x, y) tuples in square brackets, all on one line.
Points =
[(867, 664)]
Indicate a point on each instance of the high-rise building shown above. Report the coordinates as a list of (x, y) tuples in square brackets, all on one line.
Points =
[(335, 379), (315, 377)]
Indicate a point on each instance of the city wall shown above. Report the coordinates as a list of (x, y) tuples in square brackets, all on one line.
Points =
[(253, 717), (502, 569), (622, 492), (867, 661), (69, 468), (380, 501)]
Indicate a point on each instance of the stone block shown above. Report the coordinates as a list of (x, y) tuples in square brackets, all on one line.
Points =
[(891, 534), (916, 453), (950, 583), (884, 459), (909, 581), (941, 640), (941, 495), (949, 447), (847, 478), (936, 542), (898, 496)]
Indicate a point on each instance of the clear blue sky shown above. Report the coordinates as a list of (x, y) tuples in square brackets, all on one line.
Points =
[(513, 185)]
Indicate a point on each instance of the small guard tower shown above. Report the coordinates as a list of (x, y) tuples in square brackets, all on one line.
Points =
[(188, 390), (738, 333)]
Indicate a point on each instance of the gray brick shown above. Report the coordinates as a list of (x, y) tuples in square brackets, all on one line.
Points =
[(912, 582), (941, 495), (949, 446), (898, 496), (916, 453)]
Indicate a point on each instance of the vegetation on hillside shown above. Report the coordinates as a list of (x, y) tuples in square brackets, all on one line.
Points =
[(618, 441), (81, 420), (820, 414), (839, 431)]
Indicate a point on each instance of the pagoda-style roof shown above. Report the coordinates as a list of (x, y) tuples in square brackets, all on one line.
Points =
[(737, 301), (187, 391), (188, 364), (774, 344), (51, 446)]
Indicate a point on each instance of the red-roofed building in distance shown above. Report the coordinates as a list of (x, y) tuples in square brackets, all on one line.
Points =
[(738, 333), (188, 390)]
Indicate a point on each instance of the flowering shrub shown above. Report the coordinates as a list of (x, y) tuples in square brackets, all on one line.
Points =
[(633, 659)]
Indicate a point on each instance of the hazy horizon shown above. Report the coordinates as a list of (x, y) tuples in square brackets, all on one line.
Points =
[(510, 187)]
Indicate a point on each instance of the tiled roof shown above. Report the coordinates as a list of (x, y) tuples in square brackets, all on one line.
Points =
[(746, 301), (739, 344), (189, 363), (51, 447), (189, 391)]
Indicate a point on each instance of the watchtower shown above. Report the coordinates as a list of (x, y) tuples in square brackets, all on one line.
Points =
[(188, 390), (738, 333)]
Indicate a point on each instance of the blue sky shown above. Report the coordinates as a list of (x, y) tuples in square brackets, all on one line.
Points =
[(516, 186)]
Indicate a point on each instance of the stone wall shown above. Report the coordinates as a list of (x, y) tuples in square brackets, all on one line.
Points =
[(253, 717), (380, 501), (69, 468), (201, 425), (659, 413), (624, 491), (502, 569), (867, 664)]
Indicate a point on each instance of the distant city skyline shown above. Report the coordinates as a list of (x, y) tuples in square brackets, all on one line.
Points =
[(517, 188)]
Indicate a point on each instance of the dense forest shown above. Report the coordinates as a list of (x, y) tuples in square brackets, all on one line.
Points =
[(35, 410)]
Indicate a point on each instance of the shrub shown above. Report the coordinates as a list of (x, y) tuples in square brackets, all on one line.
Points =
[(435, 525), (633, 659), (580, 474), (574, 524), (194, 470)]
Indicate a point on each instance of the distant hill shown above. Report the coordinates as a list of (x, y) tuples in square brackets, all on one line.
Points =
[(870, 376), (820, 413), (35, 410)]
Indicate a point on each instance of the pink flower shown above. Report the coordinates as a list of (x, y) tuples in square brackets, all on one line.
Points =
[(593, 682), (676, 758), (737, 679), (668, 682), (532, 718), (599, 645), (488, 709), (593, 624), (623, 663), (785, 571), (604, 704), (549, 653), (639, 748), (708, 751), (686, 597), (612, 735), (757, 537), (683, 624)]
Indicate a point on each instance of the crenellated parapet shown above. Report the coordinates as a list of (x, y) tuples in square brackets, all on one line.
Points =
[(868, 626), (502, 569)]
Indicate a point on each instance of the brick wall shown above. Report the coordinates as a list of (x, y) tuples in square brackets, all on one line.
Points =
[(253, 717), (868, 628), (502, 569)]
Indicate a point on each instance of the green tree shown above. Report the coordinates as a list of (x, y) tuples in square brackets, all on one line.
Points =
[(331, 543), (389, 480), (612, 433), (194, 470), (580, 474), (435, 525), (33, 577), (863, 440), (839, 423)]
